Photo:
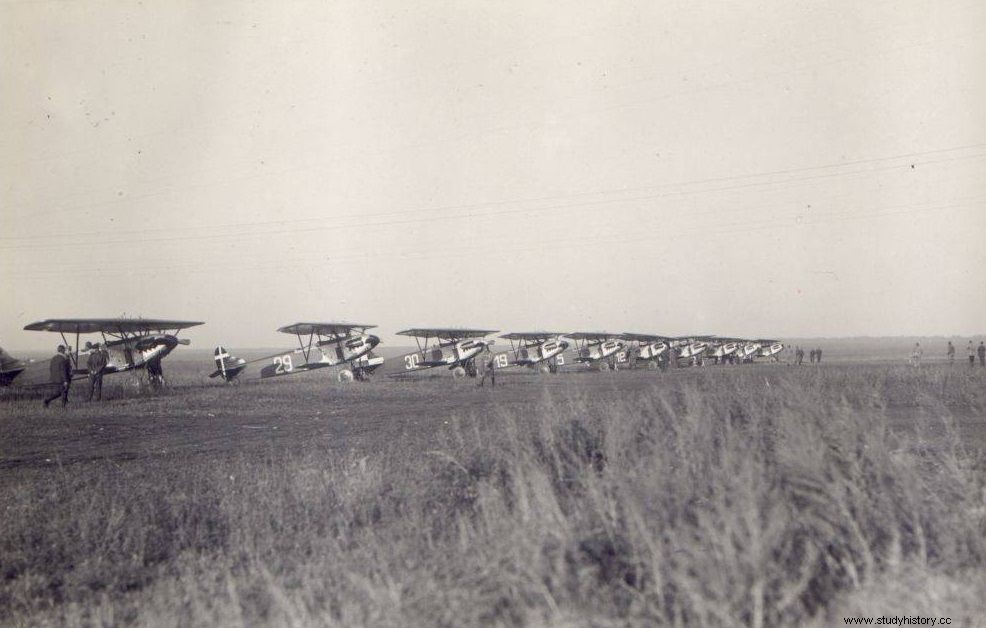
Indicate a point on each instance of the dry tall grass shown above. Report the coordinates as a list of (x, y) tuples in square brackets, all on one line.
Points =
[(713, 500)]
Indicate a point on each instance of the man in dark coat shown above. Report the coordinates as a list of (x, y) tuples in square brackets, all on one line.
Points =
[(982, 353), (60, 371), (155, 373), (98, 358)]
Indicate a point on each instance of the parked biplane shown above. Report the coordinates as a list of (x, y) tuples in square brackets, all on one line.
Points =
[(537, 350), (132, 343), (692, 349), (10, 368), (320, 345), (724, 350), (749, 350), (452, 349), (601, 350), (769, 349), (650, 349)]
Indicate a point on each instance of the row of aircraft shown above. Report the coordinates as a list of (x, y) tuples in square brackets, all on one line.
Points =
[(349, 350)]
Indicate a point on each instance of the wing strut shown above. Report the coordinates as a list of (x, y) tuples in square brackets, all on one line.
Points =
[(73, 357), (305, 351)]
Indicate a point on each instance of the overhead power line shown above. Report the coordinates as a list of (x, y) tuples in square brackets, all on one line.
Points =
[(366, 219)]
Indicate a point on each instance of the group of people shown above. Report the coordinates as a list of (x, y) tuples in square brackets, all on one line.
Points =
[(971, 351), (61, 371), (814, 355)]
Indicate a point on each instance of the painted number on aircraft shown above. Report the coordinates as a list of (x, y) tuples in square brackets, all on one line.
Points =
[(282, 364), (560, 360), (502, 361), (411, 361)]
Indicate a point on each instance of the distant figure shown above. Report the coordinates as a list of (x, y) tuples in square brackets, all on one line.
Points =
[(950, 352), (60, 372), (916, 354), (490, 371), (155, 373), (818, 355), (972, 354), (811, 356), (96, 363), (982, 353)]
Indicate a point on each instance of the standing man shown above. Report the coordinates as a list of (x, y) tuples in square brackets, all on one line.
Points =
[(60, 372), (96, 364), (490, 370), (982, 353), (950, 352), (818, 355), (155, 374), (972, 354)]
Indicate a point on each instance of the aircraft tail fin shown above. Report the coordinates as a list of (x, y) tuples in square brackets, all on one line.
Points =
[(227, 365)]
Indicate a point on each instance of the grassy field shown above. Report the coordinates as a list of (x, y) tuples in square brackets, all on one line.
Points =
[(759, 495)]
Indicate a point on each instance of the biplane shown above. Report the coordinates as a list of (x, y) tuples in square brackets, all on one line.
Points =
[(769, 349), (599, 349), (132, 344), (749, 350), (537, 350), (693, 348), (650, 349), (10, 368), (452, 349), (724, 349), (320, 345)]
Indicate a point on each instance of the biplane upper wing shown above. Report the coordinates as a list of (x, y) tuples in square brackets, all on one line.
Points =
[(593, 335), (109, 325), (327, 329), (645, 337), (536, 336), (446, 333)]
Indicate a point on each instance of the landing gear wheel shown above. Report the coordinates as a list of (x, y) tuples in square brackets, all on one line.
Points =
[(458, 372), (544, 368), (652, 365), (603, 366), (345, 376)]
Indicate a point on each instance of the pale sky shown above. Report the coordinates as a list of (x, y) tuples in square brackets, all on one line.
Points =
[(764, 169)]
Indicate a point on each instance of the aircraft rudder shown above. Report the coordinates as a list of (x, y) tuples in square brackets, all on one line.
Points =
[(227, 365)]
